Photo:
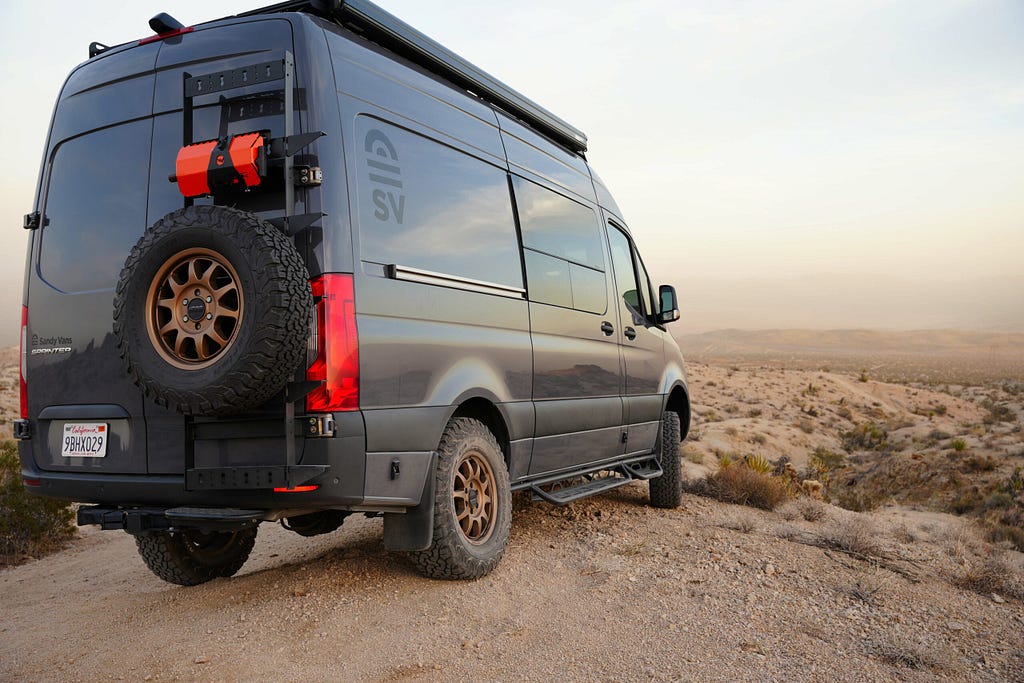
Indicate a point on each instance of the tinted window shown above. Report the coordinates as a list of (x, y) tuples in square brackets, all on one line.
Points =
[(557, 225), (625, 274), (95, 207), (549, 279), (427, 206), (562, 244)]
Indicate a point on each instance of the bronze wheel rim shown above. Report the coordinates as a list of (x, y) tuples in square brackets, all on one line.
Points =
[(194, 308), (474, 494)]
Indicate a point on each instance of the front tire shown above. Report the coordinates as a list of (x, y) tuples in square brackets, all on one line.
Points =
[(472, 505), (188, 557), (667, 490)]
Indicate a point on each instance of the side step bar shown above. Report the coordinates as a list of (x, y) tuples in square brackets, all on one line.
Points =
[(593, 484)]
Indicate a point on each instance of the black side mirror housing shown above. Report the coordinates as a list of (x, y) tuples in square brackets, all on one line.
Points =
[(669, 312)]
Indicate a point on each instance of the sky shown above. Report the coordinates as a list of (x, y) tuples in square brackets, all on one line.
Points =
[(852, 163)]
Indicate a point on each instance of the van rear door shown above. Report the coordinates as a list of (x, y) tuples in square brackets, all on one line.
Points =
[(93, 204)]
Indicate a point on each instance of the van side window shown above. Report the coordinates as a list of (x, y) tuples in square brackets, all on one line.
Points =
[(425, 205), (95, 213), (625, 273), (562, 245)]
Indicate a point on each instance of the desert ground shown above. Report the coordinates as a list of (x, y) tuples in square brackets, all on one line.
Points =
[(609, 589)]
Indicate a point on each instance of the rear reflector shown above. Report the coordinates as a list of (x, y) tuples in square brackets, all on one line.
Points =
[(32, 482), (296, 489), (23, 367), (337, 346)]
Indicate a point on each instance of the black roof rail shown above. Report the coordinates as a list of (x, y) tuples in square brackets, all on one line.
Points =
[(395, 34)]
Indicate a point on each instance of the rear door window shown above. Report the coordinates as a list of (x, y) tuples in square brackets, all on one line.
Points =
[(95, 206)]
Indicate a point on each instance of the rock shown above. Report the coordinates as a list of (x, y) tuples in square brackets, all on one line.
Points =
[(201, 660), (956, 626), (998, 599), (769, 569)]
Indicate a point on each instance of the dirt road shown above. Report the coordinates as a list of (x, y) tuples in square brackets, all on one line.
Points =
[(606, 589)]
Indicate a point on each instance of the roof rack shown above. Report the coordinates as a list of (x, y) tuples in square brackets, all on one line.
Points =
[(398, 36)]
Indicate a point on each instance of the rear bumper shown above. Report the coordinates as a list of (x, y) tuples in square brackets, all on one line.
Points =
[(345, 475)]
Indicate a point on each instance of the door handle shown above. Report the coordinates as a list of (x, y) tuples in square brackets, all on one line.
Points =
[(630, 333), (607, 328)]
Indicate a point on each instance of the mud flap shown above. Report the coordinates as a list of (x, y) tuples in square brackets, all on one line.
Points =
[(414, 530)]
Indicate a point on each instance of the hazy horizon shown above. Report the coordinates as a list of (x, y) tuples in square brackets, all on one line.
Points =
[(786, 164)]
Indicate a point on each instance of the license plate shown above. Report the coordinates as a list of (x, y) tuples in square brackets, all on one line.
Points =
[(84, 440)]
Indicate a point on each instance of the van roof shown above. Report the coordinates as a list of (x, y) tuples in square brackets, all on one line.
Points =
[(394, 34)]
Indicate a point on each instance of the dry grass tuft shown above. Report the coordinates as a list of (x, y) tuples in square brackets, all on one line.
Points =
[(898, 650), (854, 535), (741, 485), (989, 574)]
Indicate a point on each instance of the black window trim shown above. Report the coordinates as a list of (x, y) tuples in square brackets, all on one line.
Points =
[(648, 316)]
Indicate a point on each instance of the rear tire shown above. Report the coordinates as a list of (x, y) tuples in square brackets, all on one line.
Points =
[(188, 557), (667, 490), (472, 505)]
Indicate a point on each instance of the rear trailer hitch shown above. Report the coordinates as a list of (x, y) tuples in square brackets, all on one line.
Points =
[(137, 521)]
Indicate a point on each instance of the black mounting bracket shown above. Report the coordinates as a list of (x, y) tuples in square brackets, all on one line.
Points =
[(293, 225)]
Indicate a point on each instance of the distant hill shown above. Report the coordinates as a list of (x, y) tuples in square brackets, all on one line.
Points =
[(958, 355)]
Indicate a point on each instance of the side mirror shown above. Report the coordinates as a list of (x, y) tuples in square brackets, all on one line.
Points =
[(669, 312)]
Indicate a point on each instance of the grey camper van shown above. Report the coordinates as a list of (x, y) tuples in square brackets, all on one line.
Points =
[(304, 262)]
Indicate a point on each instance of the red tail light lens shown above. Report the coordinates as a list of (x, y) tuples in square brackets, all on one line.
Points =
[(337, 346), (23, 369)]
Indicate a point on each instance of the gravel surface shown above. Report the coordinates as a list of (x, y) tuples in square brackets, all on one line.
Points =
[(606, 589)]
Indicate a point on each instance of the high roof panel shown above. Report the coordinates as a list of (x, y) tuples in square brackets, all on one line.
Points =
[(398, 36)]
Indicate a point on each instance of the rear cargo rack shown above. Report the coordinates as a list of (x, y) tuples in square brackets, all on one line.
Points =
[(394, 34), (290, 474)]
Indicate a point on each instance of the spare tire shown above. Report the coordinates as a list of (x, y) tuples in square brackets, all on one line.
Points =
[(212, 311)]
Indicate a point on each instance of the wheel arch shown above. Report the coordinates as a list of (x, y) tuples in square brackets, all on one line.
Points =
[(486, 411), (679, 402)]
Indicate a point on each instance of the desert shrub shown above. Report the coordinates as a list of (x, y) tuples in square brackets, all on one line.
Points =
[(844, 413), (938, 435), (754, 412), (859, 500), (1015, 483), (806, 426), (980, 463), (759, 439), (29, 524), (863, 375), (991, 574), (965, 501), (857, 535), (731, 431), (959, 445), (742, 485), (827, 461), (811, 510), (1007, 533), (997, 412), (940, 408), (869, 436), (998, 500)]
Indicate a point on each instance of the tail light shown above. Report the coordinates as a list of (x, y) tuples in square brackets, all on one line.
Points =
[(23, 368), (336, 361)]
